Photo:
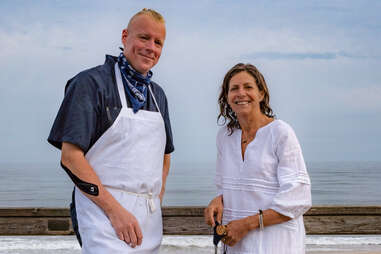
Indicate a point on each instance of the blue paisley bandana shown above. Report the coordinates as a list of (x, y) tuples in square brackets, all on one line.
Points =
[(134, 82)]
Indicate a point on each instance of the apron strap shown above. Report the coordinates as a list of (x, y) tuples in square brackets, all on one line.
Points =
[(148, 196), (154, 99), (119, 82)]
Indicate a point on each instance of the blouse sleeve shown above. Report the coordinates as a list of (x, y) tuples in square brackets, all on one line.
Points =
[(218, 178), (294, 196), (76, 120)]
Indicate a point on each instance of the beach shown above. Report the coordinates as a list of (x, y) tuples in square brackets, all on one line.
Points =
[(315, 244)]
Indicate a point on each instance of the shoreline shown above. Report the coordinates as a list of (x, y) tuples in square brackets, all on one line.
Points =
[(315, 244)]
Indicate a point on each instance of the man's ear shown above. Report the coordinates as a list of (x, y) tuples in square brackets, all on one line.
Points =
[(124, 36)]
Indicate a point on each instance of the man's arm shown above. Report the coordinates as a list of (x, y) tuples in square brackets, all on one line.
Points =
[(166, 165), (124, 223)]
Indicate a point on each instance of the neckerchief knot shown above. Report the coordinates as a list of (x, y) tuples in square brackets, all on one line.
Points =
[(134, 82)]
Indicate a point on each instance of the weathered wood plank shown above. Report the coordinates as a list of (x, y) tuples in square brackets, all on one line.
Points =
[(344, 210), (35, 226), (343, 224), (34, 212), (190, 221), (32, 226), (192, 211), (189, 211), (185, 226)]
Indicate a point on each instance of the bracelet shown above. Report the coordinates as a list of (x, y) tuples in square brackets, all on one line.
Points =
[(261, 225)]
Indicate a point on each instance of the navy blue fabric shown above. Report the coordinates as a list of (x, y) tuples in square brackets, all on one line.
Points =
[(74, 220), (134, 83), (91, 104)]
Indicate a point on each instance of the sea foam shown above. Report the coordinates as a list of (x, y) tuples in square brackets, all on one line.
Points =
[(173, 242)]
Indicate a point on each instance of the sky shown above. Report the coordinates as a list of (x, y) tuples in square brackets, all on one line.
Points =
[(321, 60)]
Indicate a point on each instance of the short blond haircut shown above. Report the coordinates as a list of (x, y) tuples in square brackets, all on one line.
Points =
[(149, 12)]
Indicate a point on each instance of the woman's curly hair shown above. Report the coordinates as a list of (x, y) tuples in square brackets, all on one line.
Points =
[(226, 112)]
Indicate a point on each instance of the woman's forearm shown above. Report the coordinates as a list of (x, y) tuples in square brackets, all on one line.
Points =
[(270, 217)]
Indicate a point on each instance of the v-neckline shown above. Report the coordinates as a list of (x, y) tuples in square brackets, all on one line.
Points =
[(242, 154)]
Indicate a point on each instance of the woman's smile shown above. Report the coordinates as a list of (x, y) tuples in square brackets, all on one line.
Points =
[(242, 102)]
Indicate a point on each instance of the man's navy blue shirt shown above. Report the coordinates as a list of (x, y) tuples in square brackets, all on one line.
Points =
[(91, 105)]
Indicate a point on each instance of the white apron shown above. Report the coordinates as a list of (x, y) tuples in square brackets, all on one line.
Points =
[(128, 159)]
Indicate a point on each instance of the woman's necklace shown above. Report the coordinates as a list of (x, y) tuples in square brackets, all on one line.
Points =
[(245, 139)]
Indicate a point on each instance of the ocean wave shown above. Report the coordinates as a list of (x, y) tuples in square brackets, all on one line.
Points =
[(343, 240), (175, 242), (38, 242)]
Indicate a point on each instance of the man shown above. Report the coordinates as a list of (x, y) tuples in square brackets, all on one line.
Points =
[(115, 135)]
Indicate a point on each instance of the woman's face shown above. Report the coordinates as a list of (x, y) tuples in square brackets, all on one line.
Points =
[(243, 94)]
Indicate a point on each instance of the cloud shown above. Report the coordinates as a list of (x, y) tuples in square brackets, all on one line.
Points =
[(363, 99), (307, 55), (64, 48), (291, 56)]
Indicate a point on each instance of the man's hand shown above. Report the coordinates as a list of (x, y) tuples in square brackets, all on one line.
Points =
[(126, 226), (161, 195), (215, 208), (236, 230), (166, 165)]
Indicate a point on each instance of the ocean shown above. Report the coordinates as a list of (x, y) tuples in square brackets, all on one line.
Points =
[(333, 183)]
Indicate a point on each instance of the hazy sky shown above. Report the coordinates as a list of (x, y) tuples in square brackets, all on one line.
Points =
[(321, 60)]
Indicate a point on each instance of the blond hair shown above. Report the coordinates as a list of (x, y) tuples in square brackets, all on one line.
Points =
[(149, 12)]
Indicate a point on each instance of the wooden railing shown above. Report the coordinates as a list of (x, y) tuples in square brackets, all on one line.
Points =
[(190, 221)]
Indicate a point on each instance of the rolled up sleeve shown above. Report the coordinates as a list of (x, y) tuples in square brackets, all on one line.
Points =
[(294, 196), (218, 176)]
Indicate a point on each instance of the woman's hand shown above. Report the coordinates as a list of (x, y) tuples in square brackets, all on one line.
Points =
[(236, 230), (215, 208)]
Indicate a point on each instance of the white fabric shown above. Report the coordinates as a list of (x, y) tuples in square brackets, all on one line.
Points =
[(128, 159), (272, 176)]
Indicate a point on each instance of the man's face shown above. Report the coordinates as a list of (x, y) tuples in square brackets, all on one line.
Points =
[(143, 41)]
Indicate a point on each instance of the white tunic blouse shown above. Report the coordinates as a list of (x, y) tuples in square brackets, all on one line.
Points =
[(273, 175)]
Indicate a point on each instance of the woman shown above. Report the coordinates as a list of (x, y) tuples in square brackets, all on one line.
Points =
[(262, 182)]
